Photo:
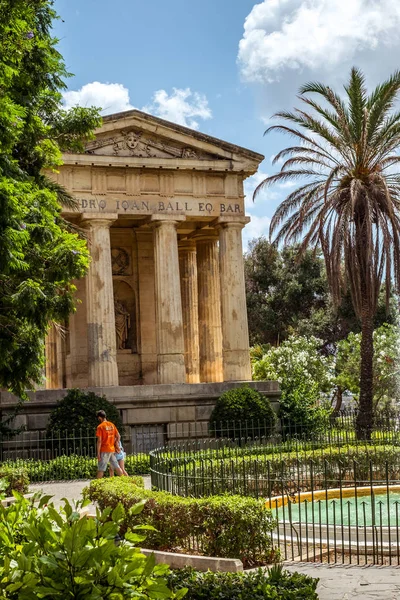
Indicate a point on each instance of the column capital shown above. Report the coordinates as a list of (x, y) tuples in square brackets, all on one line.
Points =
[(186, 245), (105, 219), (158, 220), (231, 221)]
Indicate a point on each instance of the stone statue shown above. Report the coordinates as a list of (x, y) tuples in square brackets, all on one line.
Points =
[(122, 324)]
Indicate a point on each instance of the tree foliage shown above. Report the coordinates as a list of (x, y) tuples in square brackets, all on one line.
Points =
[(386, 366), (39, 256), (348, 198), (287, 294)]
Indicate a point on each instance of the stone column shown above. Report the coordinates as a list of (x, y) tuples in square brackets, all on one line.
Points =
[(52, 378), (169, 325), (189, 295), (102, 351), (210, 333), (235, 332)]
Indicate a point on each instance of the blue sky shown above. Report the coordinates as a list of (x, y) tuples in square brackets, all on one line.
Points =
[(222, 66)]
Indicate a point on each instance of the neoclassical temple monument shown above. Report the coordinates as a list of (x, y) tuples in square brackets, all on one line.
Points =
[(164, 299), (161, 323)]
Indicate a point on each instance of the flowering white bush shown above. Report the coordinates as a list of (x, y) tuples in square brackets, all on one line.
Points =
[(305, 378)]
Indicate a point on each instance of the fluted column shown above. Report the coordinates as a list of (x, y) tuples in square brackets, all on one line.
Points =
[(189, 296), (52, 377), (235, 333), (210, 334), (102, 351), (169, 325)]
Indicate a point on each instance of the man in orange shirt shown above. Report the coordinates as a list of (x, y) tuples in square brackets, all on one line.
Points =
[(107, 438)]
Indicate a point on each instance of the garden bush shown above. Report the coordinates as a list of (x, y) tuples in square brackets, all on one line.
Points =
[(306, 379), (269, 474), (275, 584), (14, 479), (73, 467), (53, 553), (242, 412), (224, 526), (77, 412)]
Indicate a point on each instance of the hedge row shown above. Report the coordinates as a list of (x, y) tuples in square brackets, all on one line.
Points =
[(223, 526), (275, 584), (72, 467), (274, 474)]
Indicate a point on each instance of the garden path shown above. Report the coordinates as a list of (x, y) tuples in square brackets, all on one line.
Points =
[(347, 583), (336, 582)]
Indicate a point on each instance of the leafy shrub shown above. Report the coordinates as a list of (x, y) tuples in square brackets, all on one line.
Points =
[(72, 467), (274, 474), (14, 478), (53, 553), (305, 378), (242, 412), (275, 584), (224, 526), (77, 411)]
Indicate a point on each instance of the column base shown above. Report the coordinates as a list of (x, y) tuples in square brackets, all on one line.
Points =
[(171, 368), (237, 365)]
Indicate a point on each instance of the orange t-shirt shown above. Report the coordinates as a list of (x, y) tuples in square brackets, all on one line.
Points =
[(107, 432)]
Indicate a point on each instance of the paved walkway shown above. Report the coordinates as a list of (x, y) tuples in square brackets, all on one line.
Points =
[(346, 583), (336, 582)]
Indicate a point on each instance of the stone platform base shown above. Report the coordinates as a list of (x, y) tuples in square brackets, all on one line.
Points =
[(152, 414)]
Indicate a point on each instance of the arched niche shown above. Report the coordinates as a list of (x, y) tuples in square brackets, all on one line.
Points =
[(125, 316)]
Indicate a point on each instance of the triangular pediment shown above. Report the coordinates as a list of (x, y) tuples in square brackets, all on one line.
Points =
[(133, 141), (137, 134)]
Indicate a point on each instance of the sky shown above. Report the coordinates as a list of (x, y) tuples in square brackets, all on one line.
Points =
[(223, 66)]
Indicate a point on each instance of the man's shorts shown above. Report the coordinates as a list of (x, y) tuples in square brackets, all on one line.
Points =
[(105, 458)]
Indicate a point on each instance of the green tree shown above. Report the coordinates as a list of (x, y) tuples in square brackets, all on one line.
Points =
[(386, 366), (39, 255), (347, 201), (287, 295), (280, 290)]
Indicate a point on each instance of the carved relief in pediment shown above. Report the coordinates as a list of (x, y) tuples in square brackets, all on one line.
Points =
[(134, 142)]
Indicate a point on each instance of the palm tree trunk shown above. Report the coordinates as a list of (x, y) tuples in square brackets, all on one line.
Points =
[(364, 421)]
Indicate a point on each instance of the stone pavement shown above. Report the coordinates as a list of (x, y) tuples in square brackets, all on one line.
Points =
[(336, 582), (346, 583)]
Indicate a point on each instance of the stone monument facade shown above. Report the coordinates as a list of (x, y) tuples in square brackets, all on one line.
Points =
[(164, 299)]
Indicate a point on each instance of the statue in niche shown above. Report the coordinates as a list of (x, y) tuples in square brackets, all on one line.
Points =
[(122, 324)]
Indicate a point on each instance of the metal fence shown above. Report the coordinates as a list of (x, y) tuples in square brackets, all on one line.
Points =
[(335, 499)]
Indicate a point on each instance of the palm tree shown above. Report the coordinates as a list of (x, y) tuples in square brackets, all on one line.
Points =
[(348, 198)]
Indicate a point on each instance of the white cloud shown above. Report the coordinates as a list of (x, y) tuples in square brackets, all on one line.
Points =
[(314, 34), (250, 185), (258, 226), (181, 106), (110, 97)]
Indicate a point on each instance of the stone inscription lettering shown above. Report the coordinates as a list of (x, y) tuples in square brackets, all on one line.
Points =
[(143, 207)]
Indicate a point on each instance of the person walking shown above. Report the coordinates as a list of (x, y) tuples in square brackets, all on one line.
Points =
[(120, 456), (107, 440)]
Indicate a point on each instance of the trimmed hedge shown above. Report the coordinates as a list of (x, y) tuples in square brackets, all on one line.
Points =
[(73, 467), (223, 526), (15, 479), (242, 406), (275, 584), (262, 475)]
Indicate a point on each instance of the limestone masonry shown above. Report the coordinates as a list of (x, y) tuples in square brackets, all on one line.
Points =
[(164, 299)]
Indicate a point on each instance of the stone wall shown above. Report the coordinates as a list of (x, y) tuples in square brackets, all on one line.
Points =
[(178, 410)]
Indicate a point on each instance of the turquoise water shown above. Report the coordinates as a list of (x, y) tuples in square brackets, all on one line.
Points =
[(380, 509)]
